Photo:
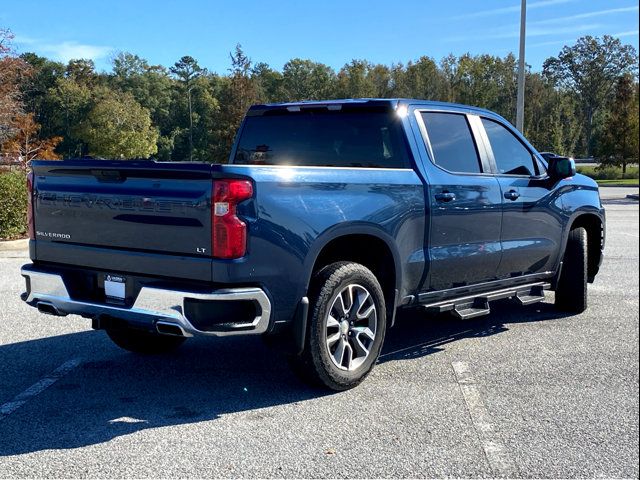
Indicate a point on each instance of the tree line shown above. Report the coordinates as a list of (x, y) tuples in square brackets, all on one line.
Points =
[(584, 102)]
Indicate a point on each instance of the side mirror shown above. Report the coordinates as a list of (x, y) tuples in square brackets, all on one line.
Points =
[(560, 167)]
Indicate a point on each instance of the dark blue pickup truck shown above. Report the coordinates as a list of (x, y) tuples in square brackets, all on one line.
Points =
[(329, 217)]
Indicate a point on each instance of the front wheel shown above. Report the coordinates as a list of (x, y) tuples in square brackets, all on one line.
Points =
[(571, 291), (346, 327), (147, 343)]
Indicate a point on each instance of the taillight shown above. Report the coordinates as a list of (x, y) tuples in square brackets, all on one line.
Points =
[(228, 232), (30, 223)]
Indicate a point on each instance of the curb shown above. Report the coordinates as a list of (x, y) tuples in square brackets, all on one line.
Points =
[(13, 245), (617, 185)]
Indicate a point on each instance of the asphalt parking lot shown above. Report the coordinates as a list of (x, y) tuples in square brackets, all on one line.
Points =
[(524, 392)]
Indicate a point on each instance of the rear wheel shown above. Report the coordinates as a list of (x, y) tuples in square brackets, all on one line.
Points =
[(346, 327), (147, 343), (571, 291)]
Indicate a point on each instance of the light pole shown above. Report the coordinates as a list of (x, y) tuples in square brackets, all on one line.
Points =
[(520, 100), (190, 124)]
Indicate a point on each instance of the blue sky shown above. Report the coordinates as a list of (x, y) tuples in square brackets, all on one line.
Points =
[(328, 31)]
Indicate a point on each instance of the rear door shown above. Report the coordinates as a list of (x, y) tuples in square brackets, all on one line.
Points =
[(531, 219), (465, 203)]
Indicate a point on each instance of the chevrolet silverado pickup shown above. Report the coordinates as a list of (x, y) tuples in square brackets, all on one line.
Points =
[(328, 218)]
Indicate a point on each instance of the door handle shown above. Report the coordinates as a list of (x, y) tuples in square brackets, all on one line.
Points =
[(445, 197), (511, 195)]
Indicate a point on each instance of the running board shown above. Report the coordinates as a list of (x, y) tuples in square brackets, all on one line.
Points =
[(473, 306), (466, 311)]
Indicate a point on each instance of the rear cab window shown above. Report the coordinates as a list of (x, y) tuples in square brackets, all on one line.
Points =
[(452, 143), (323, 138)]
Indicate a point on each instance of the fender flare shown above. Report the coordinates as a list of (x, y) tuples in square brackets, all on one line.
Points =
[(345, 229), (590, 211)]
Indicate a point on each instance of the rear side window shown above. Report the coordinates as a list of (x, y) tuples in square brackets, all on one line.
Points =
[(323, 139), (512, 157), (452, 142)]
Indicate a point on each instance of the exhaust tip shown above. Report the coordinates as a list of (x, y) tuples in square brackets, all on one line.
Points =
[(49, 309), (166, 328)]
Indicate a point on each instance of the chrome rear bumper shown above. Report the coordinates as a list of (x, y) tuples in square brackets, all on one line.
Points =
[(154, 306)]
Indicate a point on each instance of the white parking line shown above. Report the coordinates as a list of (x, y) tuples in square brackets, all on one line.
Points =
[(497, 456), (38, 387)]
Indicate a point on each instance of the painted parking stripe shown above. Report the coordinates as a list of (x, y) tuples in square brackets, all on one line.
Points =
[(496, 454), (38, 387)]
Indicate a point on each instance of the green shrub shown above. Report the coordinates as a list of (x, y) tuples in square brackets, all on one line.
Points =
[(608, 172), (13, 205)]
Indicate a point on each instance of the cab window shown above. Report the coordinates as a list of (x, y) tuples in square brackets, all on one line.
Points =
[(512, 157), (452, 142)]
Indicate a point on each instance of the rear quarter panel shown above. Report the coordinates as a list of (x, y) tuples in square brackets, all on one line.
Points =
[(297, 210)]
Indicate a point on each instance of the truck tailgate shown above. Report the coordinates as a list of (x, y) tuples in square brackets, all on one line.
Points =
[(137, 206)]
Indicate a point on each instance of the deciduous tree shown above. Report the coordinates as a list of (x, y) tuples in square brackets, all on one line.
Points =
[(68, 103), (13, 71), (590, 68), (153, 88), (35, 88), (619, 139), (118, 127), (269, 83), (354, 80), (307, 80), (26, 145), (237, 94), (82, 71)]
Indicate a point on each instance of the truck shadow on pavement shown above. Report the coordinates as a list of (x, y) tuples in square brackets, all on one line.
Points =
[(113, 393), (417, 335)]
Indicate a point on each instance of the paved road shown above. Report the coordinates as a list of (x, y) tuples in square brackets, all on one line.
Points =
[(524, 392), (613, 193)]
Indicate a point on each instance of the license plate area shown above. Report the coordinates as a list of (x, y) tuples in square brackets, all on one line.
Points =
[(115, 288)]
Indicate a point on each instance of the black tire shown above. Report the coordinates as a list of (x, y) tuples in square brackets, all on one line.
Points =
[(571, 290), (146, 343), (315, 365)]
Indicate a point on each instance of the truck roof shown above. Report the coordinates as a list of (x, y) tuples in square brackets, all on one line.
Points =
[(393, 103)]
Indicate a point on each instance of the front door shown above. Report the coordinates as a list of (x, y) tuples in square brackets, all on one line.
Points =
[(531, 219)]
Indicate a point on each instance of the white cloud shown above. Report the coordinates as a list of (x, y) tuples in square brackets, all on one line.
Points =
[(551, 42), (23, 39), (514, 32), (63, 51), (513, 8), (542, 32), (66, 51), (581, 16), (629, 33)]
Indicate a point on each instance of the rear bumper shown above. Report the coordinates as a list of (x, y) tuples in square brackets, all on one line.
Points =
[(156, 308)]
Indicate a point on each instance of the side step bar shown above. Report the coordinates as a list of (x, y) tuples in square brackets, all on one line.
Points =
[(473, 309), (473, 306)]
